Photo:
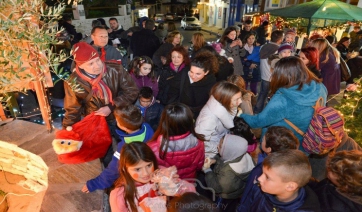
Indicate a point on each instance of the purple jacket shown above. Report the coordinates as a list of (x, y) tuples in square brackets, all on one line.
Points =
[(331, 73), (143, 81)]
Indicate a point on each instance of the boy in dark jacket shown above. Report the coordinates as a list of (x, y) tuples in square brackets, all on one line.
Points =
[(130, 129), (150, 109), (283, 184)]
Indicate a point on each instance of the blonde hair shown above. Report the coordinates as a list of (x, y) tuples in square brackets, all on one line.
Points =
[(198, 40), (239, 81), (324, 47), (172, 35)]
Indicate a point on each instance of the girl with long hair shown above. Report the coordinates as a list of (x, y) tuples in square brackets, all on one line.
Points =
[(142, 72), (295, 91), (134, 190), (329, 63), (175, 141)]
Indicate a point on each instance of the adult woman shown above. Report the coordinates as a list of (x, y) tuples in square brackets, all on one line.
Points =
[(310, 57), (342, 47), (192, 88), (173, 39), (178, 61), (251, 63), (198, 41), (233, 48), (216, 117), (175, 141), (295, 91), (329, 64)]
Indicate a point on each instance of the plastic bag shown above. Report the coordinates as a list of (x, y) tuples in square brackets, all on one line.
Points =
[(168, 184)]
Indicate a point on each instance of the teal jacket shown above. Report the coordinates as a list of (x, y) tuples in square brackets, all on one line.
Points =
[(292, 104)]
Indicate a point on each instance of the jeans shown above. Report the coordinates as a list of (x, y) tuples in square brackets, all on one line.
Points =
[(263, 94)]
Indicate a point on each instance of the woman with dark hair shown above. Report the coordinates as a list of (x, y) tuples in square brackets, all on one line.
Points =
[(175, 142), (295, 91), (342, 47), (193, 87), (177, 62), (216, 117), (225, 69), (233, 48), (310, 57), (173, 39), (329, 63), (251, 63), (161, 32), (171, 26)]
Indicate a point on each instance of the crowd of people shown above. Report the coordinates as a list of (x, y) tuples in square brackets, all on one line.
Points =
[(188, 115)]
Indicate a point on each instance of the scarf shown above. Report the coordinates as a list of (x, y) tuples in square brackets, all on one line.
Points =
[(249, 48), (172, 66), (99, 88)]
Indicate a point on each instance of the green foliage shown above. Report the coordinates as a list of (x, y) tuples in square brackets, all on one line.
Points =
[(351, 108), (28, 31)]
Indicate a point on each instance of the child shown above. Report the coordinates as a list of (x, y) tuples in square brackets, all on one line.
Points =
[(151, 110), (275, 139), (285, 50), (131, 129), (175, 141), (134, 190), (230, 172), (245, 105), (283, 185), (342, 191), (290, 38), (142, 72), (242, 129)]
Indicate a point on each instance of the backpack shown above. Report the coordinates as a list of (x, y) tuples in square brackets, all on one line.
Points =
[(324, 132)]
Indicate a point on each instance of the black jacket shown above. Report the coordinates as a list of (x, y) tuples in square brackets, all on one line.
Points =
[(194, 95), (333, 201), (144, 43)]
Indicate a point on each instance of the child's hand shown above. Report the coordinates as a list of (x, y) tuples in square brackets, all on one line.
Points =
[(85, 189), (207, 163)]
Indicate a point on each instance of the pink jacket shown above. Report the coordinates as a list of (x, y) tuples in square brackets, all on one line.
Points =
[(185, 152)]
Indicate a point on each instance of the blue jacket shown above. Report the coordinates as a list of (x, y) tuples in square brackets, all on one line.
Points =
[(292, 104), (151, 113), (111, 174), (257, 200)]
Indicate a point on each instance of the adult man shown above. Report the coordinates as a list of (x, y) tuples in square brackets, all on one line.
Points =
[(355, 43), (246, 30), (102, 87), (107, 52), (265, 71), (145, 42), (115, 31)]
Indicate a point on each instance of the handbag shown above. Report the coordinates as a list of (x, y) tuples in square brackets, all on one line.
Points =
[(345, 72)]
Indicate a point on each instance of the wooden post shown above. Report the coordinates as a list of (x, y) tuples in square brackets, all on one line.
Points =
[(43, 104)]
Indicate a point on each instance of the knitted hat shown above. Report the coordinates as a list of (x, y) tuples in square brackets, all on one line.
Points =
[(83, 52), (285, 46), (261, 41)]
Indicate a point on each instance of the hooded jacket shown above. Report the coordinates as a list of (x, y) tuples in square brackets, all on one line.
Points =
[(292, 104), (185, 152), (145, 81), (152, 113), (231, 170), (111, 173), (76, 104), (213, 122)]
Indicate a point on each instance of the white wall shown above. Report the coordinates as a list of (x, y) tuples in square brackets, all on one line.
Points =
[(85, 26)]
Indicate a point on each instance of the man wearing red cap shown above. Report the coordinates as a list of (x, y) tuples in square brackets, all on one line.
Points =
[(103, 87)]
